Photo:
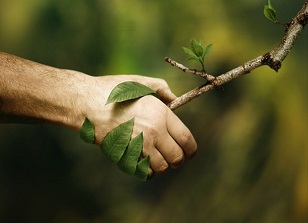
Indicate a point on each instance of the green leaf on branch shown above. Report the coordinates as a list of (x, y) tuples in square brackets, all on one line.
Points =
[(207, 50), (129, 160), (116, 141), (87, 132), (129, 90), (270, 12), (192, 55), (142, 170), (197, 51), (197, 47)]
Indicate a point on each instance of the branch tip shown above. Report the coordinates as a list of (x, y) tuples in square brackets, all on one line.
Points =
[(273, 59), (302, 19)]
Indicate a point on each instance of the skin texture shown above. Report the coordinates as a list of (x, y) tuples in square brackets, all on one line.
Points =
[(34, 93)]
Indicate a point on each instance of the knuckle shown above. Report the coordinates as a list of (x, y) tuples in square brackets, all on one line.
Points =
[(162, 167), (189, 143), (177, 159), (187, 137), (162, 84), (157, 83), (152, 132)]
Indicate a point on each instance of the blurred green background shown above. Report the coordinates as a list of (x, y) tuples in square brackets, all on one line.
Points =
[(251, 165)]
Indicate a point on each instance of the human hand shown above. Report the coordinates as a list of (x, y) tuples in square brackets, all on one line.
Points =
[(166, 139), (36, 93)]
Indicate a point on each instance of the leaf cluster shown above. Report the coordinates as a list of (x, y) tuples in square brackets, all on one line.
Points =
[(120, 149), (197, 51), (118, 145)]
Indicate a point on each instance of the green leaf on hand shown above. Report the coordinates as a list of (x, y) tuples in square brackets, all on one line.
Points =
[(116, 141), (129, 90), (129, 160), (142, 170), (118, 146), (270, 13), (87, 131)]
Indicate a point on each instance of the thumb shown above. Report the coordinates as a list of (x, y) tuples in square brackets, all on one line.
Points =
[(166, 95), (163, 90)]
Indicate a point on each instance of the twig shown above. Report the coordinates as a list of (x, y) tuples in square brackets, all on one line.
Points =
[(273, 59), (202, 73)]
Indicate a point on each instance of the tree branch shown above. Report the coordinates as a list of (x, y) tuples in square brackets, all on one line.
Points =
[(273, 59), (202, 73)]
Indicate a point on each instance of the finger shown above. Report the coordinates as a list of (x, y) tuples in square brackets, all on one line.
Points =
[(162, 89), (166, 94), (158, 162), (181, 134), (171, 151), (151, 173)]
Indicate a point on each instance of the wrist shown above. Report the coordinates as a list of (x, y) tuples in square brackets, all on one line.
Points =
[(73, 98)]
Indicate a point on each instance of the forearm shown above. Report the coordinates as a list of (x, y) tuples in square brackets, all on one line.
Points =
[(32, 92)]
